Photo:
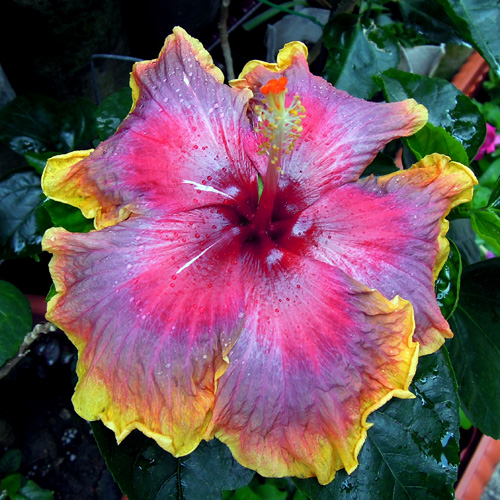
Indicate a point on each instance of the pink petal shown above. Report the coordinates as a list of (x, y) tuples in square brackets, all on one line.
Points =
[(319, 352), (153, 307), (388, 233), (342, 134), (181, 147)]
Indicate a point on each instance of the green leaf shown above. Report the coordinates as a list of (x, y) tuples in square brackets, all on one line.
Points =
[(11, 484), (38, 160), (15, 320), (447, 285), (448, 107), (357, 51), (412, 450), (68, 217), (37, 124), (486, 223), (430, 19), (20, 199), (494, 199), (475, 348), (31, 491), (491, 175), (431, 139), (478, 21), (145, 471), (481, 196), (11, 459), (112, 112), (381, 165)]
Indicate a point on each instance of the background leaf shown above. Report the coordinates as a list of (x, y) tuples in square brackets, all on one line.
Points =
[(145, 471), (430, 19), (15, 324), (412, 450), (486, 223), (448, 107), (475, 348), (68, 217), (447, 285), (37, 124), (431, 139), (478, 21), (112, 112), (20, 198), (358, 50), (381, 165)]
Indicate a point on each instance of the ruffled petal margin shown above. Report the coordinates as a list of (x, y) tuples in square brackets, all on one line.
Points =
[(154, 308), (341, 134), (318, 353), (186, 143), (389, 233)]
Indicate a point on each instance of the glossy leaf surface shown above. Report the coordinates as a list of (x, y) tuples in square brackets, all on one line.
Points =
[(112, 111), (15, 324), (412, 449), (447, 285), (478, 22), (431, 139), (37, 124), (69, 217), (430, 19), (486, 223), (358, 50), (447, 106), (145, 471), (475, 349), (20, 199)]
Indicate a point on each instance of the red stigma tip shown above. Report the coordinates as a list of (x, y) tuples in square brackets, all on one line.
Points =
[(274, 86)]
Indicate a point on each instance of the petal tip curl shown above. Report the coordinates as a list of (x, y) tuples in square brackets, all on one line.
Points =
[(285, 59)]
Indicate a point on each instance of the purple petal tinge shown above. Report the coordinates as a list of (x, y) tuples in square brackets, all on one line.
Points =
[(276, 318)]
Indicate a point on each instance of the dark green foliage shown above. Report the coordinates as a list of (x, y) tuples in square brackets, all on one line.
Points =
[(475, 349), (145, 471), (412, 449)]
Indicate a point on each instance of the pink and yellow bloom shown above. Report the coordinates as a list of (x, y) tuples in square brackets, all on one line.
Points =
[(276, 321)]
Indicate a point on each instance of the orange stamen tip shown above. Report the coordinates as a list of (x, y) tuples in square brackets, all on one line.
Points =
[(274, 86)]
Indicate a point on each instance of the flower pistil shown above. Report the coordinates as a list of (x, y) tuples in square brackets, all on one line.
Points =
[(281, 126)]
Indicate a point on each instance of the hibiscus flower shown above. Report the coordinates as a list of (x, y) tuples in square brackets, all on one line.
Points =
[(243, 281), (491, 141)]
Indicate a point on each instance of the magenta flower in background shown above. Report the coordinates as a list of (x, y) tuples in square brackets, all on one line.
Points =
[(490, 143)]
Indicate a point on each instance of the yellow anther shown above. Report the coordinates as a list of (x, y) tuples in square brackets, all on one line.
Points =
[(280, 125)]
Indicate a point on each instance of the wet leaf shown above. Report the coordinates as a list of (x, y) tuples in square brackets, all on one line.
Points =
[(486, 223), (448, 107), (15, 322), (475, 348), (431, 139), (478, 21), (357, 51), (145, 471), (430, 19), (412, 450), (447, 285), (20, 199), (68, 217), (112, 112), (36, 123)]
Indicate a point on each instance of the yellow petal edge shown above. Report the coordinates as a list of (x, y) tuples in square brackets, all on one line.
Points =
[(462, 182)]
